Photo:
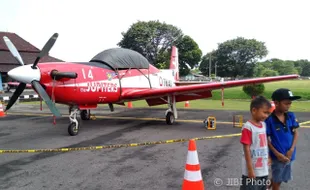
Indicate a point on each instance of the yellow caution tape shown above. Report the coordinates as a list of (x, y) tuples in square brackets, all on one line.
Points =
[(303, 123), (116, 145)]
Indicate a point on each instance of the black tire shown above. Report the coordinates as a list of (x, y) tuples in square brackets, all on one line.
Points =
[(72, 130), (170, 118), (85, 114)]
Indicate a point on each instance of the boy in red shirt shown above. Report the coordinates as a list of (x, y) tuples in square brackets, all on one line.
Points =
[(255, 160)]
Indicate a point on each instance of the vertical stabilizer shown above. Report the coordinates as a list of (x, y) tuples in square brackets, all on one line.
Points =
[(174, 63)]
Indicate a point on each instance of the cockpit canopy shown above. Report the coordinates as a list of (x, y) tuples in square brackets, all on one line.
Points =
[(122, 58)]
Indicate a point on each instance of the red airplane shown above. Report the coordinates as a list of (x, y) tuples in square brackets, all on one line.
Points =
[(113, 76)]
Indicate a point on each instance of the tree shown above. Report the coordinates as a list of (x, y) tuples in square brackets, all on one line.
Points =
[(254, 89), (204, 64), (280, 66), (189, 54), (269, 73), (154, 40), (303, 66), (283, 67), (237, 57), (150, 38), (306, 70), (264, 70)]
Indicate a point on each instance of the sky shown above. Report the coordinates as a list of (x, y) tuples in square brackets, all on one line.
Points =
[(86, 28)]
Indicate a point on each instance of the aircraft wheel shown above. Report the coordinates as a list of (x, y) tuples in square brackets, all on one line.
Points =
[(85, 114), (73, 129), (170, 118)]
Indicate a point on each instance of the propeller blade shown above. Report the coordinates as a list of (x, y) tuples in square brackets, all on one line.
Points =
[(37, 86), (47, 47), (13, 50), (19, 90)]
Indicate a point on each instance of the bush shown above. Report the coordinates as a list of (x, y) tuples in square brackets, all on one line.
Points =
[(254, 90)]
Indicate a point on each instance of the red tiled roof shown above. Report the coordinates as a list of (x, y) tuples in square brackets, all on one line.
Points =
[(27, 51), (8, 62), (19, 43)]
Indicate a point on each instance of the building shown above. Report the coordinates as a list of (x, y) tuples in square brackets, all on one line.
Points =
[(27, 51), (192, 76)]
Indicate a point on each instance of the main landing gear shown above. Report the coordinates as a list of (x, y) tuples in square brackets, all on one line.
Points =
[(73, 128), (171, 113)]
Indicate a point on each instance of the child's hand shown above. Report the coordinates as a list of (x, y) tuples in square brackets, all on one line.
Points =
[(269, 161), (289, 154), (283, 158), (251, 174)]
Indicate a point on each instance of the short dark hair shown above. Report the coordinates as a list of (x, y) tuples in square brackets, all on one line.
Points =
[(258, 102)]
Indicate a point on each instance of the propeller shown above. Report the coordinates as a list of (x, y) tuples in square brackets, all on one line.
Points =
[(47, 47), (31, 75), (19, 90), (13, 50), (37, 86)]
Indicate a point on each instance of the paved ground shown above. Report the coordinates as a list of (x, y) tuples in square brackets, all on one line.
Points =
[(146, 167)]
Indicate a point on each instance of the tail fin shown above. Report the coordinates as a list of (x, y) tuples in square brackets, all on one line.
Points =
[(174, 63)]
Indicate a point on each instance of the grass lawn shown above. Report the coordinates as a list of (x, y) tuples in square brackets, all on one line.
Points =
[(242, 105), (298, 87), (236, 99)]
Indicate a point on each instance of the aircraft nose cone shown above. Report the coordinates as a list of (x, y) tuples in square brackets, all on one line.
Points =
[(25, 74)]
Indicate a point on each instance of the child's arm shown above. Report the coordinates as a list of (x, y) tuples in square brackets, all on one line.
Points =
[(295, 125), (280, 156), (295, 139), (246, 140), (290, 152), (248, 159)]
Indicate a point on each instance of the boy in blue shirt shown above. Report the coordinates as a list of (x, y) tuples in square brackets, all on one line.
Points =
[(282, 137)]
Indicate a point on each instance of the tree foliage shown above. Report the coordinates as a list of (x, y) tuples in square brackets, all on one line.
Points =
[(154, 40), (275, 67), (150, 38), (237, 57), (204, 64), (303, 67), (189, 54), (254, 89)]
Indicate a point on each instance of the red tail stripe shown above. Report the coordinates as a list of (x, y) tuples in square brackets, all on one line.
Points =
[(192, 167)]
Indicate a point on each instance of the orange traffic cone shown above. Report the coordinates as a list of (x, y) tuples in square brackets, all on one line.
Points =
[(187, 104), (192, 176), (129, 105), (2, 114), (272, 106)]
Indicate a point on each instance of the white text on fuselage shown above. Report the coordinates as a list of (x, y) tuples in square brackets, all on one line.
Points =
[(100, 87)]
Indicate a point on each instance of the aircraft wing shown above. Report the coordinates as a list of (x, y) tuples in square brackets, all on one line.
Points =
[(197, 88)]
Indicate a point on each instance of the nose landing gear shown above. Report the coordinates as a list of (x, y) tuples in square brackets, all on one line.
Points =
[(73, 128)]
